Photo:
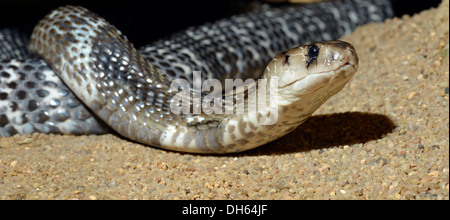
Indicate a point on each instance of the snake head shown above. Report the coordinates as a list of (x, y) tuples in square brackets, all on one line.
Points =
[(323, 68)]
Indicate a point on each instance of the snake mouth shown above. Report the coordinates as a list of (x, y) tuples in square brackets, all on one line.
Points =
[(325, 78)]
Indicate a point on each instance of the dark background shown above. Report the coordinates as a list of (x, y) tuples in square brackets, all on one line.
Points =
[(141, 21), (145, 21)]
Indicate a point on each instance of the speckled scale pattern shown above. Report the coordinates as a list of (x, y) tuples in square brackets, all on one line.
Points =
[(242, 46), (34, 99), (13, 45), (110, 76)]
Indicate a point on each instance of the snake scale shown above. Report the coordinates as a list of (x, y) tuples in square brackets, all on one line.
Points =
[(80, 75)]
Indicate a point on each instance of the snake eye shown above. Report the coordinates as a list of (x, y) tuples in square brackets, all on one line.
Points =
[(313, 51)]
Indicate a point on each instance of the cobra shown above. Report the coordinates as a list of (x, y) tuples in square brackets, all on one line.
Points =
[(89, 78)]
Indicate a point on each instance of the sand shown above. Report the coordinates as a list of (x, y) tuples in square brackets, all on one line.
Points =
[(385, 136)]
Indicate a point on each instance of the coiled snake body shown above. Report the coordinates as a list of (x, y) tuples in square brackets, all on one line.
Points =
[(130, 90)]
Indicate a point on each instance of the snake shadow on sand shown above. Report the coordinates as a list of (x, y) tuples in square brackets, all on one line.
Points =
[(330, 130)]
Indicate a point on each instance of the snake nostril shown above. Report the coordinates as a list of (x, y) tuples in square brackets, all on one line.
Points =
[(331, 57)]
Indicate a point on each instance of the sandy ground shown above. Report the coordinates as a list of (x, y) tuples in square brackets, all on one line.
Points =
[(385, 136)]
